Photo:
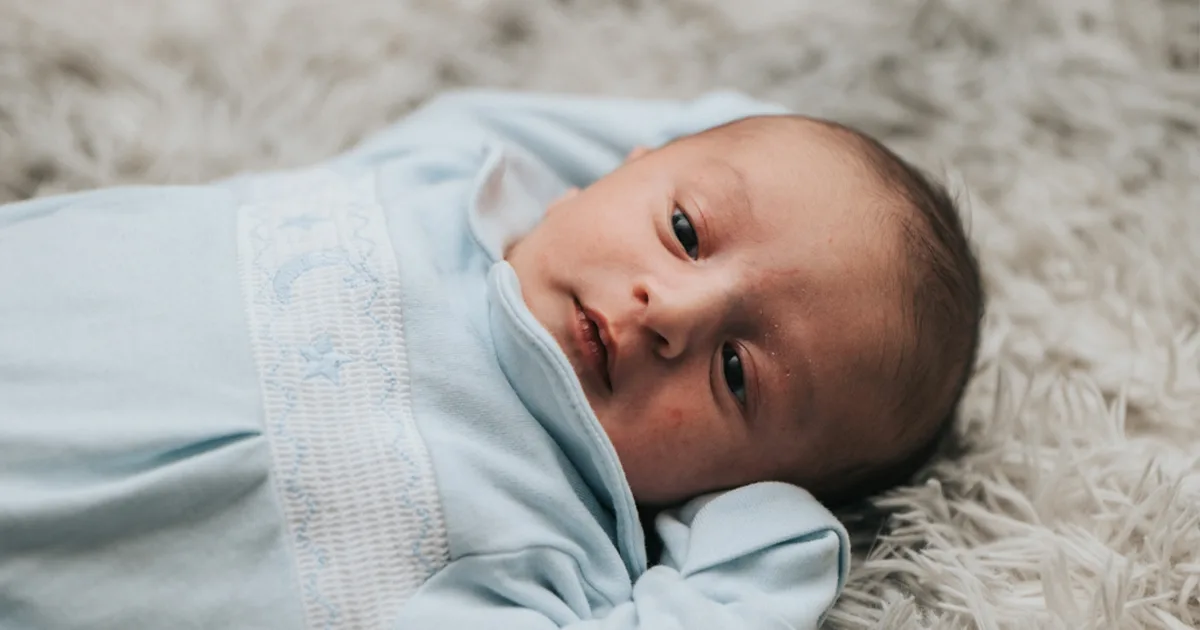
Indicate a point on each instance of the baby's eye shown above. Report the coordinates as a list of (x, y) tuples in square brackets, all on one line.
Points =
[(682, 226), (731, 367)]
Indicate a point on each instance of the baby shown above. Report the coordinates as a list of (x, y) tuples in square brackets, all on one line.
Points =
[(434, 382)]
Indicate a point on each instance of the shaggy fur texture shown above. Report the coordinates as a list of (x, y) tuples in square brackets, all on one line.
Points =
[(1070, 128)]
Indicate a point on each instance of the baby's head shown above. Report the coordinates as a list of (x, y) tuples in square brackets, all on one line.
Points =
[(779, 298)]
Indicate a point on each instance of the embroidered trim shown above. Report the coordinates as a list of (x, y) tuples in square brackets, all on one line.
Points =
[(351, 470)]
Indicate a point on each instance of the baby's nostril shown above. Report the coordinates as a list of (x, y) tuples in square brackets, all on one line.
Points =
[(641, 294)]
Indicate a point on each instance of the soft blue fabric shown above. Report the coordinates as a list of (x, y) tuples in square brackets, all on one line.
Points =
[(137, 488)]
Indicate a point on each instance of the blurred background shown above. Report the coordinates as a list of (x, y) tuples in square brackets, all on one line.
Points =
[(1070, 129)]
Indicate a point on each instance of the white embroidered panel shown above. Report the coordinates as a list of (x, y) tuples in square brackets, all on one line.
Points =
[(351, 470)]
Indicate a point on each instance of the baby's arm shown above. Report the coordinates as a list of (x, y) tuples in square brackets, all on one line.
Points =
[(581, 138), (765, 556)]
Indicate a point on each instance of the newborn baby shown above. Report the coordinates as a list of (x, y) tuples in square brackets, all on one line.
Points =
[(434, 382)]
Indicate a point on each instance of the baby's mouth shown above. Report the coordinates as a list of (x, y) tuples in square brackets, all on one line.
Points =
[(590, 333)]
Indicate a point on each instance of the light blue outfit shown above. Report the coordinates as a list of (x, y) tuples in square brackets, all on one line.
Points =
[(316, 399)]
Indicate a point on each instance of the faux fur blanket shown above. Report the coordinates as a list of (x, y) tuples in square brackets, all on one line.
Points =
[(1070, 129)]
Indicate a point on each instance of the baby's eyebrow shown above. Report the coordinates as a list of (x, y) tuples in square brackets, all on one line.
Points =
[(733, 211), (727, 196), (740, 195)]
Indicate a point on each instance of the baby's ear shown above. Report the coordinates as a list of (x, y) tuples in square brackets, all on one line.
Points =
[(636, 153)]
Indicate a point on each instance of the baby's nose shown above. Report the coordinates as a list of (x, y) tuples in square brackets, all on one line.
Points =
[(680, 314)]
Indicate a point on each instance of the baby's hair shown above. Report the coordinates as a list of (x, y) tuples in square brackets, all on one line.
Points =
[(945, 302)]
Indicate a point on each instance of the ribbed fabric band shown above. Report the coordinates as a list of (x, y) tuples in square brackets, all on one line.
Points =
[(352, 472)]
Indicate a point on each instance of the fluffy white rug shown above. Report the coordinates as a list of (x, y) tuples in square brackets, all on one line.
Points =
[(1070, 127)]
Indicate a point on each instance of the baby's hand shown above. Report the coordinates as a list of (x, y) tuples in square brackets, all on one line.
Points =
[(746, 558)]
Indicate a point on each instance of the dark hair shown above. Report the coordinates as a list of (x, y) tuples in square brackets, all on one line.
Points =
[(945, 301)]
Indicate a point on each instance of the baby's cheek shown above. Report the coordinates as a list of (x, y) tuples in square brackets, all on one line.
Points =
[(670, 424), (664, 421), (680, 430)]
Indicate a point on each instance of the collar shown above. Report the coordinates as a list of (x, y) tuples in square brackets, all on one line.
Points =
[(511, 196)]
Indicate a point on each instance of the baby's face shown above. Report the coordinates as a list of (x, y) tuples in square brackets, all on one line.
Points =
[(728, 303)]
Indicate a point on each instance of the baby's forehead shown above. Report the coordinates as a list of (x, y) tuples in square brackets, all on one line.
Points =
[(790, 176), (797, 164), (783, 130), (788, 147)]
